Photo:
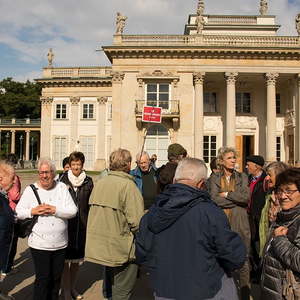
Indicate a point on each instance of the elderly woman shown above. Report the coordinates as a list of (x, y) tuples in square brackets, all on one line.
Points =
[(7, 174), (80, 187), (49, 237), (229, 189), (271, 208), (282, 252)]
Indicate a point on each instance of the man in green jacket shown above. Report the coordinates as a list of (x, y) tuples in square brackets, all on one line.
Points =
[(116, 207)]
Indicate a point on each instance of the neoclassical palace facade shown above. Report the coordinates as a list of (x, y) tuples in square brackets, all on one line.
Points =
[(228, 80)]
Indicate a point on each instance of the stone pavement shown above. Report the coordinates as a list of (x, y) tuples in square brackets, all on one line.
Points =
[(20, 284)]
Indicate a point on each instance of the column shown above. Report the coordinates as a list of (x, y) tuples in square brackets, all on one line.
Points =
[(45, 138), (13, 141), (230, 108), (198, 115), (117, 79), (101, 120), (297, 116), (27, 144), (271, 117), (74, 122)]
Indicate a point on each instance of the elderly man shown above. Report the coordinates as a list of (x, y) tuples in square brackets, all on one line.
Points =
[(145, 178), (7, 174), (186, 241), (254, 165), (116, 207)]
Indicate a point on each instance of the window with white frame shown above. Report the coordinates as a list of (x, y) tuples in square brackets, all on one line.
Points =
[(210, 102), (209, 147), (243, 102), (59, 150), (87, 147), (278, 148), (61, 111), (88, 111), (158, 94)]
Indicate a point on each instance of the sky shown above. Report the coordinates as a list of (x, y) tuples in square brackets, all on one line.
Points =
[(74, 29)]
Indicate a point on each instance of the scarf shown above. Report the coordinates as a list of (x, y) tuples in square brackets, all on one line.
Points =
[(76, 181)]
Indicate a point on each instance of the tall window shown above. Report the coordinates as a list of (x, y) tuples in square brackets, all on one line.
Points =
[(88, 111), (278, 110), (209, 147), (158, 95), (61, 111), (210, 102), (243, 101), (278, 148), (87, 146), (59, 150)]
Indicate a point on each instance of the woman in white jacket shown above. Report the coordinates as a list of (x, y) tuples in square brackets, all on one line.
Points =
[(49, 237)]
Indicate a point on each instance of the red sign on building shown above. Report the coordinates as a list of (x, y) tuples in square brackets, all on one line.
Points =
[(152, 114)]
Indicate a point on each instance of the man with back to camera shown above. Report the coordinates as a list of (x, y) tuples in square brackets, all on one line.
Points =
[(186, 242)]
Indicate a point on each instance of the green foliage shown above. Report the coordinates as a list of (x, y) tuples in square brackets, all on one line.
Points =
[(20, 99)]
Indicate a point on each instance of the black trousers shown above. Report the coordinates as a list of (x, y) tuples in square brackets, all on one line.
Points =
[(48, 267)]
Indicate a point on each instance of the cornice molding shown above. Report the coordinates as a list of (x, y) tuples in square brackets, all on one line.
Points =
[(46, 100), (56, 82)]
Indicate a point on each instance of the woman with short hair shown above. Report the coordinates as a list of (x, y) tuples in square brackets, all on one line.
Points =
[(49, 237), (282, 251), (80, 187)]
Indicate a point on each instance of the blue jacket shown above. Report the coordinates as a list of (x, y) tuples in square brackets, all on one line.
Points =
[(137, 174), (187, 244), (6, 231)]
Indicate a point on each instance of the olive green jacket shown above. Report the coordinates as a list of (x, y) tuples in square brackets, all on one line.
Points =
[(116, 207)]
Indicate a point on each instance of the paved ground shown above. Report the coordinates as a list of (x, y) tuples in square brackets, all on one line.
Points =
[(20, 284)]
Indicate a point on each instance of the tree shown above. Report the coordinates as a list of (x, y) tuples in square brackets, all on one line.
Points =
[(20, 99)]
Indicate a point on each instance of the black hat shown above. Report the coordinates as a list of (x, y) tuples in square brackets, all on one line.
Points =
[(257, 159)]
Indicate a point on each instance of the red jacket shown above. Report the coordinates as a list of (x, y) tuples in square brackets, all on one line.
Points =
[(14, 194)]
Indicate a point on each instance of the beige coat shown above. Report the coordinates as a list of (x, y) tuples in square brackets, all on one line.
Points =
[(116, 207)]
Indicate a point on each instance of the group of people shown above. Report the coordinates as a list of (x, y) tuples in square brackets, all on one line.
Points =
[(196, 237)]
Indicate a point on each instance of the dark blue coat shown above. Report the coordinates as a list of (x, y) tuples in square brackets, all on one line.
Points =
[(186, 243), (6, 231)]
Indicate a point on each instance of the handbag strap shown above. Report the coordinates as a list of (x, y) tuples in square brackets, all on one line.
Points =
[(36, 193)]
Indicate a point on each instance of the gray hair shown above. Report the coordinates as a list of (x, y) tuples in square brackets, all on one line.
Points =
[(189, 168), (46, 161), (221, 153), (139, 155), (277, 167)]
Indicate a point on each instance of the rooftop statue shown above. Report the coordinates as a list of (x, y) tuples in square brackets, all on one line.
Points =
[(200, 7), (120, 23), (263, 7), (50, 57), (199, 22), (298, 24)]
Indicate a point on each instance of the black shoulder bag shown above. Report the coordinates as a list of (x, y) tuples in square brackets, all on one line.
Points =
[(24, 227)]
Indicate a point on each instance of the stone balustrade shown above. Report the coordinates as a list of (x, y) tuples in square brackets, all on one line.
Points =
[(210, 40), (76, 72)]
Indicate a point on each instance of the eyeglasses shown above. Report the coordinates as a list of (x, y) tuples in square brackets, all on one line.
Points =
[(289, 193), (44, 173)]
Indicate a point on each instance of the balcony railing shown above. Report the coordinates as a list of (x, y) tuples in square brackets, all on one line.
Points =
[(20, 122), (169, 108)]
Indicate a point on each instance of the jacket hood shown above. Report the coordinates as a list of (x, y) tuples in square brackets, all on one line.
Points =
[(172, 203)]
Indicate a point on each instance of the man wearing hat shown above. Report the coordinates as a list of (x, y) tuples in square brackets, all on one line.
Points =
[(254, 165), (165, 173)]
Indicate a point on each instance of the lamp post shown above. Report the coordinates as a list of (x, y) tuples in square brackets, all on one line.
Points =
[(21, 146), (32, 143), (7, 138)]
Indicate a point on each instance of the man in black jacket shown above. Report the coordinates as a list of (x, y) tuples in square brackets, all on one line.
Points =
[(186, 243), (254, 165)]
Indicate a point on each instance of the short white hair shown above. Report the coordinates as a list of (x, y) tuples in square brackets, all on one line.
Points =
[(139, 155), (46, 161), (189, 168)]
